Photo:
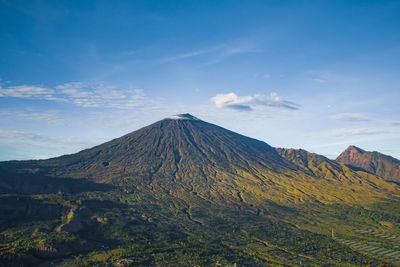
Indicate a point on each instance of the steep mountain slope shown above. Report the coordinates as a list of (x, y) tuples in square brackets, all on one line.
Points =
[(382, 165), (187, 158)]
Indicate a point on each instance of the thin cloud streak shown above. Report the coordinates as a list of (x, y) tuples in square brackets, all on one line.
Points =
[(350, 117), (27, 91), (358, 132), (49, 117), (63, 144), (189, 54), (216, 53), (83, 94)]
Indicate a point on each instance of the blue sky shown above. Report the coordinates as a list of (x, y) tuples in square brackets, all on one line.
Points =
[(317, 75)]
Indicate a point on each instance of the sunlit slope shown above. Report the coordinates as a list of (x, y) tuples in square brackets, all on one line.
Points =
[(197, 162), (348, 184), (382, 165)]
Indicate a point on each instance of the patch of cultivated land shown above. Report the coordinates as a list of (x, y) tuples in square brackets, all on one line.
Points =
[(380, 249)]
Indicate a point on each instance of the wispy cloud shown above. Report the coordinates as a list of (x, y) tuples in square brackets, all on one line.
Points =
[(189, 54), (247, 103), (27, 91), (83, 94), (267, 76), (358, 132), (217, 53), (329, 77), (100, 95), (49, 117), (351, 117), (62, 144)]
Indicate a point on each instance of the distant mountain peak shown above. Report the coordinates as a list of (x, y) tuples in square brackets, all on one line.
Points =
[(350, 154), (375, 162), (355, 149), (185, 116)]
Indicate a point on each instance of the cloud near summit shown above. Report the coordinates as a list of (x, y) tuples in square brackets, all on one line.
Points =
[(248, 103)]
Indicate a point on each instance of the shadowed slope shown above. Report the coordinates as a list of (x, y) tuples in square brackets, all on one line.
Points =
[(382, 165)]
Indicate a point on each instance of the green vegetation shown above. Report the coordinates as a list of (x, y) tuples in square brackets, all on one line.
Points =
[(120, 228)]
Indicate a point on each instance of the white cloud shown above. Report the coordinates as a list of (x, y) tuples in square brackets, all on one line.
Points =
[(247, 103), (266, 76), (83, 94), (233, 101), (351, 117)]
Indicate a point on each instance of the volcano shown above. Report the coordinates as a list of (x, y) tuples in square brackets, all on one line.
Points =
[(184, 156), (182, 186)]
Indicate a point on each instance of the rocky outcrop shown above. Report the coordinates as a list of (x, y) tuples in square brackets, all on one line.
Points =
[(76, 220)]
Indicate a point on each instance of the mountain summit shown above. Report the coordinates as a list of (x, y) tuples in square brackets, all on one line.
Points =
[(185, 116), (380, 164), (352, 153)]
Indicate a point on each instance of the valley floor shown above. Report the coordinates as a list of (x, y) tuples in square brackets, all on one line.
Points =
[(118, 228)]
